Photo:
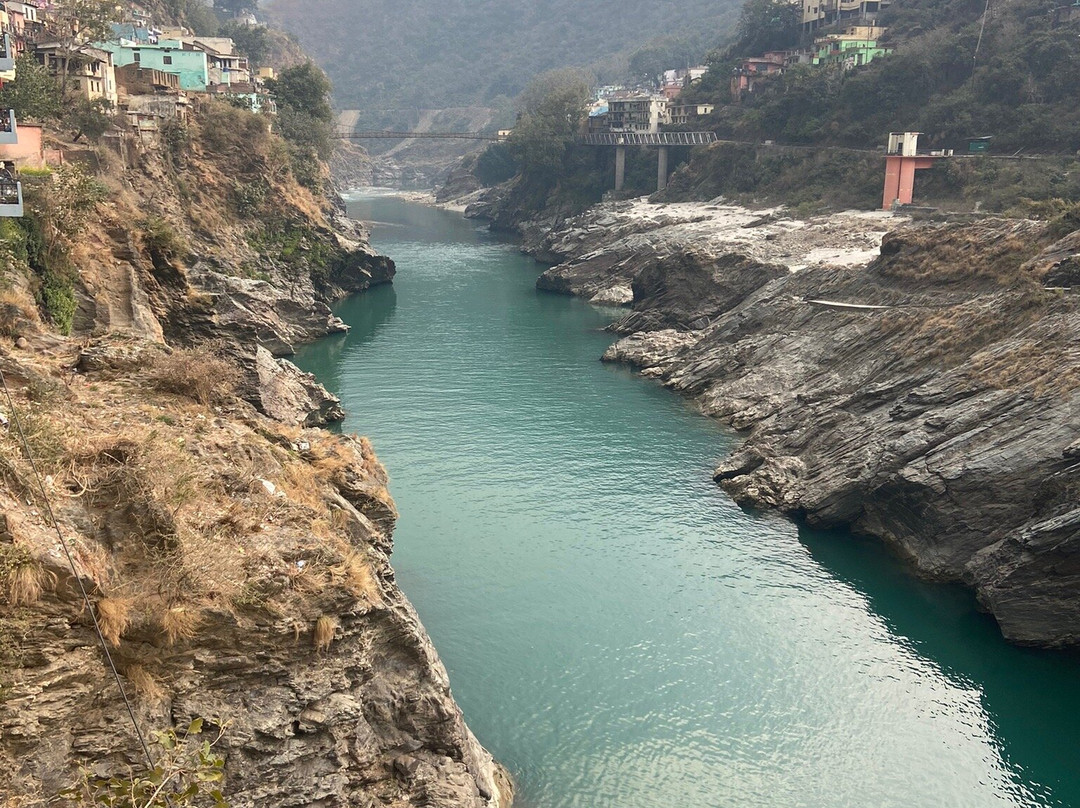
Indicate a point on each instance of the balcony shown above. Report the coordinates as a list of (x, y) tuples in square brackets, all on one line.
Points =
[(7, 55), (11, 201), (9, 129)]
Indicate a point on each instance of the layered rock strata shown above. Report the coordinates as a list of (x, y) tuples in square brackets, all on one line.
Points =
[(240, 571), (929, 398)]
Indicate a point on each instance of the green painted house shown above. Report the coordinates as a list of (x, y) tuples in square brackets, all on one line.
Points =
[(168, 56), (858, 45)]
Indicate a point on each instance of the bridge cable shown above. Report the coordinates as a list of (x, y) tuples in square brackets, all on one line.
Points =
[(74, 571)]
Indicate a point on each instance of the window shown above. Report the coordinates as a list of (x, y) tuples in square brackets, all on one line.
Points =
[(167, 60)]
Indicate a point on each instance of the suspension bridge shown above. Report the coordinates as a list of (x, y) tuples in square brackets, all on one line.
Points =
[(384, 134)]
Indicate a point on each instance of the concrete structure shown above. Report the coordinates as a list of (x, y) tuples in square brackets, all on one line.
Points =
[(247, 94), (7, 58), (662, 140), (857, 45), (753, 71), (637, 112), (169, 56), (138, 80), (903, 158), (90, 70), (9, 127), (29, 152), (819, 13), (688, 114)]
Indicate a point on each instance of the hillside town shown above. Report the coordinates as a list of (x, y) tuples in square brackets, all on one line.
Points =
[(141, 73)]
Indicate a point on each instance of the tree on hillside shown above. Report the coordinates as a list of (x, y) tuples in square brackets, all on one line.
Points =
[(553, 109), (35, 96), (766, 25), (251, 40), (305, 118), (76, 25), (233, 8)]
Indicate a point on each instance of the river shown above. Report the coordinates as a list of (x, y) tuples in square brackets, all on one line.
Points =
[(617, 631)]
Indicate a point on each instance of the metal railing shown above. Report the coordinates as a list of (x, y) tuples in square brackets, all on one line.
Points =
[(649, 138)]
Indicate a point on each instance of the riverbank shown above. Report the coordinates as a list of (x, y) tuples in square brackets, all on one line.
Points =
[(615, 627), (942, 422), (237, 557)]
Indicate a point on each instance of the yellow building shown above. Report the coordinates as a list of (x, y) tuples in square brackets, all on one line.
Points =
[(818, 13)]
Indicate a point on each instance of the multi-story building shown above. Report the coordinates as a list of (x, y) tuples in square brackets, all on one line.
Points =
[(857, 45), (637, 112), (90, 70), (818, 13), (168, 56), (687, 114)]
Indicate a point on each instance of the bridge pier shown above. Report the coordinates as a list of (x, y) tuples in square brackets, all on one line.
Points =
[(662, 168), (620, 167)]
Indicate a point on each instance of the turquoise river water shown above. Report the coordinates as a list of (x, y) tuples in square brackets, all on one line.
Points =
[(617, 631)]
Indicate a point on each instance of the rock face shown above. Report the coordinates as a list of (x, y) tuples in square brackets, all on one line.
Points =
[(600, 253), (240, 570), (945, 422)]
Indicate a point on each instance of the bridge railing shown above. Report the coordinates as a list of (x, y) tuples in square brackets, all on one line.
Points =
[(649, 138)]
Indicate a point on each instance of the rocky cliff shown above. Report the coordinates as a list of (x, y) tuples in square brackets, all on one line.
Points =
[(236, 559), (239, 569), (928, 398)]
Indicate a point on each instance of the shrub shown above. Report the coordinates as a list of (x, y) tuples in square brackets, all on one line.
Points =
[(57, 298), (188, 772), (198, 373), (161, 238)]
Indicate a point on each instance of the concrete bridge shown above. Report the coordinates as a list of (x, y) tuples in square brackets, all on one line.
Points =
[(662, 141)]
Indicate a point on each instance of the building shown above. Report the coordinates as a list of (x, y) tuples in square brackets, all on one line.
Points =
[(90, 69), (224, 64), (7, 59), (675, 81), (24, 22), (169, 56), (819, 13), (857, 45), (751, 72), (637, 112), (247, 94), (687, 114)]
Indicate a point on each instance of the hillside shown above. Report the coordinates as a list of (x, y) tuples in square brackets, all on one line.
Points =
[(418, 53), (1016, 79)]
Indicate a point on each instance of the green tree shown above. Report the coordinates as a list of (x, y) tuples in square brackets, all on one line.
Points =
[(34, 95), (553, 109), (251, 40), (766, 25), (89, 118), (304, 88), (305, 117)]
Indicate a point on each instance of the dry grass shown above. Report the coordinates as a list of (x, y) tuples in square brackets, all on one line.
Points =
[(145, 683), (325, 627), (25, 584), (197, 373), (24, 578), (17, 311), (181, 622), (355, 575), (114, 618)]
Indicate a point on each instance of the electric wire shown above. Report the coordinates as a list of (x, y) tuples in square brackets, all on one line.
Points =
[(15, 419)]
